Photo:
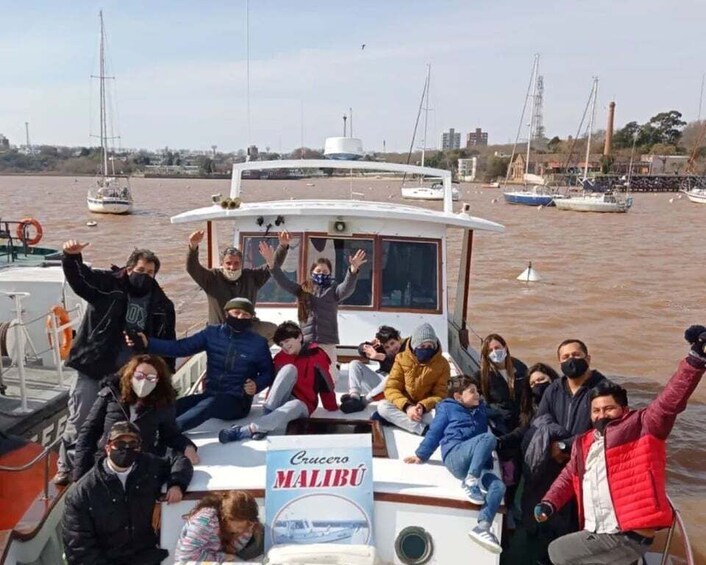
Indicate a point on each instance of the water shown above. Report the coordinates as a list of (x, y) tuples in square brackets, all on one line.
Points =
[(626, 284)]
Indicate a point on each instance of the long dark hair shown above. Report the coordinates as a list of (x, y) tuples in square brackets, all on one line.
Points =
[(163, 394), (306, 289), (487, 366), (229, 505), (527, 407)]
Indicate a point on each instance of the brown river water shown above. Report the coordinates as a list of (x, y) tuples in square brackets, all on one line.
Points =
[(626, 284)]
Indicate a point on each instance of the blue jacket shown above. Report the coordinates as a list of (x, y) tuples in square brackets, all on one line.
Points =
[(232, 357), (453, 423)]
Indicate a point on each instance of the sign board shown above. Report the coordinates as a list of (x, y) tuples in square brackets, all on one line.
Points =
[(319, 490)]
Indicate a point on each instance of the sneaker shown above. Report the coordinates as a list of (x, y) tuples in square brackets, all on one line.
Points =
[(375, 416), (472, 490), (61, 479), (486, 538), (234, 433), (352, 404)]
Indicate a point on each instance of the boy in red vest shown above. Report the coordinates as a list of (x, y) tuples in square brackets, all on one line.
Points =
[(302, 377), (617, 470)]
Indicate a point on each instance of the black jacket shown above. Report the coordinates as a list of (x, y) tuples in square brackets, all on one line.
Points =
[(503, 407), (157, 425), (108, 525), (100, 337)]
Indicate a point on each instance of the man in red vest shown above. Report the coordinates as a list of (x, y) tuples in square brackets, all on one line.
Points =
[(617, 470)]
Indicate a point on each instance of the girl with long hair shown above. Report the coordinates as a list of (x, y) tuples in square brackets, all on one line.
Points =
[(141, 393), (221, 527)]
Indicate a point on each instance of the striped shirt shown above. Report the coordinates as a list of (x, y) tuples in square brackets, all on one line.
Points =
[(200, 539)]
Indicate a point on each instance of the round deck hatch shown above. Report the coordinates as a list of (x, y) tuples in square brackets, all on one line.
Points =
[(414, 546)]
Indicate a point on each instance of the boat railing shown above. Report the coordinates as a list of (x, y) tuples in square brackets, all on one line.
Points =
[(677, 522), (42, 456)]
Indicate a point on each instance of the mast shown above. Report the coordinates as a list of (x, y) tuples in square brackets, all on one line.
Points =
[(426, 112), (103, 121), (594, 94), (530, 126), (247, 75)]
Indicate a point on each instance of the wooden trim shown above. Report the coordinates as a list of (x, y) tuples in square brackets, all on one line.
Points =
[(37, 514), (209, 243), (301, 426), (467, 279)]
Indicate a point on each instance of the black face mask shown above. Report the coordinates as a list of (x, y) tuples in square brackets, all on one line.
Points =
[(538, 391), (238, 324), (123, 457), (574, 367), (141, 283), (601, 424)]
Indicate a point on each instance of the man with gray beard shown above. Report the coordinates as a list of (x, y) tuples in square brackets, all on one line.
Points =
[(231, 280)]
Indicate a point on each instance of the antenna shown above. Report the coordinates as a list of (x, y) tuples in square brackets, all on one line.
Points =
[(701, 97), (350, 113), (344, 124), (247, 70), (539, 110), (29, 146)]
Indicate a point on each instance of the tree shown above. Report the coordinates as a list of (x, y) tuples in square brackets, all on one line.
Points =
[(497, 167), (624, 137), (667, 127), (553, 144)]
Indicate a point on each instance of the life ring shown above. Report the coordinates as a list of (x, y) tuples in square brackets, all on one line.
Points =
[(38, 231), (67, 334)]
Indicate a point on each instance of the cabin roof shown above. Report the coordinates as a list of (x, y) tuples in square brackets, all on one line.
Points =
[(345, 208)]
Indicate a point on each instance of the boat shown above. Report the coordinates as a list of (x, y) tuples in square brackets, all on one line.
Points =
[(697, 195), (111, 193), (536, 195), (302, 531)]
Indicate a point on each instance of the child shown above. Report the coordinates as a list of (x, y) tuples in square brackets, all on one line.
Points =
[(362, 379), (460, 426), (416, 383), (302, 376), (318, 298), (221, 527)]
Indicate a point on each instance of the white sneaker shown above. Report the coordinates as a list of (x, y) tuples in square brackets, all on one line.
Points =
[(486, 538), (472, 490)]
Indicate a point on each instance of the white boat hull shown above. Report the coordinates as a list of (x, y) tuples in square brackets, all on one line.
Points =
[(427, 193), (593, 204), (696, 195), (109, 205)]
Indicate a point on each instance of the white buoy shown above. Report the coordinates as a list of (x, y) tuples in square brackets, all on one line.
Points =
[(494, 200), (529, 275), (540, 207), (671, 200), (679, 196), (91, 224)]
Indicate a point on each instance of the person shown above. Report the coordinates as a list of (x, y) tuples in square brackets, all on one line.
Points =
[(539, 377), (140, 393), (318, 298), (417, 382), (460, 426), (302, 377), (230, 280), (364, 384), (127, 299), (108, 514), (238, 366), (617, 470), (223, 526)]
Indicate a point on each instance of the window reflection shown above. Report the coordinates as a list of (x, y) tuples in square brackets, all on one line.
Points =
[(271, 291), (410, 275)]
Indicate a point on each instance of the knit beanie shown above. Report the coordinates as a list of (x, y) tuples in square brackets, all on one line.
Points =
[(421, 334), (240, 304)]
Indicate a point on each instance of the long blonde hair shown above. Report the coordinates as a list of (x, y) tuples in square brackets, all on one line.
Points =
[(486, 365)]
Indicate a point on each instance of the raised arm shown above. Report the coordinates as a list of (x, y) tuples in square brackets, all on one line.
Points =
[(347, 287), (87, 283), (202, 276), (262, 274)]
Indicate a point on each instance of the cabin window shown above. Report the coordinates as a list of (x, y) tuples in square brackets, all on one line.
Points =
[(410, 271), (252, 259), (338, 251)]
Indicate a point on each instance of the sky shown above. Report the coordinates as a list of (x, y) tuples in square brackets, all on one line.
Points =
[(180, 68)]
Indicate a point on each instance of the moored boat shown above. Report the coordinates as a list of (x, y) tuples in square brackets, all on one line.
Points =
[(696, 195), (596, 202)]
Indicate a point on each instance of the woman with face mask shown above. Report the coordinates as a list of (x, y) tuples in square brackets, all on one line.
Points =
[(140, 393), (318, 298)]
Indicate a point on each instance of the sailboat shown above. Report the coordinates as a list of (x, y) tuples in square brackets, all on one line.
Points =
[(534, 192), (111, 194), (436, 190), (591, 199)]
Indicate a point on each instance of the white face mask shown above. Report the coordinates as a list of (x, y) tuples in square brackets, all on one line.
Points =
[(232, 275), (143, 387), (498, 356)]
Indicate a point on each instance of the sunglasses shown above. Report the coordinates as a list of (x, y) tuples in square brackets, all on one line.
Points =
[(151, 377), (125, 445)]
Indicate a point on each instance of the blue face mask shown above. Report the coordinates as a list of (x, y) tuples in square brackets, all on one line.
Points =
[(321, 279), (423, 354)]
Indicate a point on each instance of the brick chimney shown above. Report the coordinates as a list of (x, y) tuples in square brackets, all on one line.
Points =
[(609, 130)]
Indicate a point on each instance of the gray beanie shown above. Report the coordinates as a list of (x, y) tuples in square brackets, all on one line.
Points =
[(240, 304), (421, 334)]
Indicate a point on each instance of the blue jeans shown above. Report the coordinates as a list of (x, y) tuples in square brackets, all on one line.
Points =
[(195, 409), (470, 458)]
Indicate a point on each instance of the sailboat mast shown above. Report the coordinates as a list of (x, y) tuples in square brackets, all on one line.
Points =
[(590, 127), (426, 113), (530, 127), (103, 124)]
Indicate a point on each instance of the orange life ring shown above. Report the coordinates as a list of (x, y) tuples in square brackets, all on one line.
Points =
[(67, 334), (38, 231)]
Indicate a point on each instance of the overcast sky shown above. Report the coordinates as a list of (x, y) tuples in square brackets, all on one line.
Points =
[(181, 78)]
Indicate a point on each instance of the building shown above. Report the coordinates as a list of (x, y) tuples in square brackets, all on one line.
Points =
[(467, 169), (478, 138), (450, 140), (664, 164), (4, 143)]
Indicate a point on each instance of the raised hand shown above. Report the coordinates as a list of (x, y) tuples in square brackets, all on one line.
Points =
[(357, 260), (195, 239), (74, 247), (696, 336), (285, 239), (268, 254)]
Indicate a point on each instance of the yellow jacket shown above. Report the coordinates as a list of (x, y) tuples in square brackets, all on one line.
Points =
[(412, 382)]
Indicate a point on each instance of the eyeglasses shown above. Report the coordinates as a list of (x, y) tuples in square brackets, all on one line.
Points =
[(125, 445), (139, 375)]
